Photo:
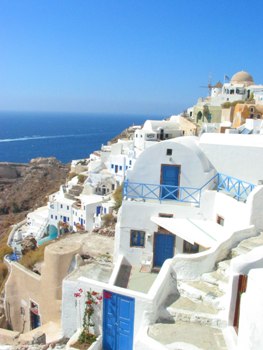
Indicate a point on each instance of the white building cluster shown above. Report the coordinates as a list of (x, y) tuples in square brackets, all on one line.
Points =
[(188, 245)]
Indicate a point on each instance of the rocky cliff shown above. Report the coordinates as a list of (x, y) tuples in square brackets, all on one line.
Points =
[(26, 186)]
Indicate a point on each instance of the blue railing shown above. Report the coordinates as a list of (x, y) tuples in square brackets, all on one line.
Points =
[(220, 182), (236, 188)]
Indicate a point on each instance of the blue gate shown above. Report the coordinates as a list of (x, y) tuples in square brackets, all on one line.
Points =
[(169, 179), (163, 248), (118, 320)]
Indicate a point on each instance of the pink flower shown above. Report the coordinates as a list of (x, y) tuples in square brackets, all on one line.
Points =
[(81, 290), (94, 293), (99, 298)]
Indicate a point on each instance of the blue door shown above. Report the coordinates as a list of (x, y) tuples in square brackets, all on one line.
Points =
[(118, 319), (169, 179), (163, 248)]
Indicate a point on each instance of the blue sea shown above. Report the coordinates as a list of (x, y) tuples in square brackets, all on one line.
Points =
[(66, 136)]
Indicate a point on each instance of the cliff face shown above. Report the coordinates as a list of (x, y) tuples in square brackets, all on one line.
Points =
[(26, 186)]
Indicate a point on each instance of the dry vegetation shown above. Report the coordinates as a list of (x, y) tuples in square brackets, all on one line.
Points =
[(4, 249), (117, 196), (33, 256)]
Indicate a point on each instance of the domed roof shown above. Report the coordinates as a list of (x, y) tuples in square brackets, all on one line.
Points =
[(242, 77)]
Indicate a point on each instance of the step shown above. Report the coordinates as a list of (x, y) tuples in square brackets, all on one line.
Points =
[(200, 290), (253, 242), (199, 336), (184, 309), (239, 250), (217, 278), (223, 266)]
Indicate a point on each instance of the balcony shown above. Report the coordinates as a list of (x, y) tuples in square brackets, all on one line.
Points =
[(236, 188)]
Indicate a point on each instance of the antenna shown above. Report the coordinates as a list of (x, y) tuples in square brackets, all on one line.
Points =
[(209, 85)]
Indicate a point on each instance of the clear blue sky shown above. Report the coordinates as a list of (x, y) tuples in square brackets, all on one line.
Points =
[(123, 56)]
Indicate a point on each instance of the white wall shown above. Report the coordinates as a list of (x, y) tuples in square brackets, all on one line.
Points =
[(235, 155), (251, 313), (241, 265), (254, 204), (192, 266), (236, 214)]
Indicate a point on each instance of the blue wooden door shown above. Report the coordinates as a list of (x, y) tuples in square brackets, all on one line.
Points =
[(169, 179), (163, 248), (118, 320)]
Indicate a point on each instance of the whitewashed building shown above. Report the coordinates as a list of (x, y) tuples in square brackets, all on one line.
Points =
[(176, 202)]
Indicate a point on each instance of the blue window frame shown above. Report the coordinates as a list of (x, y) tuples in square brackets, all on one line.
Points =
[(137, 238), (98, 210), (120, 167)]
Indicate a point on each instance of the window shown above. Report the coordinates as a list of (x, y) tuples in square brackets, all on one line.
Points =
[(220, 220), (112, 187), (61, 206), (51, 216), (137, 238), (120, 167), (56, 217), (112, 166), (232, 92), (251, 109), (169, 152), (164, 215), (67, 207), (190, 248)]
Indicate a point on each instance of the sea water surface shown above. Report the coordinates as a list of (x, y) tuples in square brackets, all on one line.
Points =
[(66, 136)]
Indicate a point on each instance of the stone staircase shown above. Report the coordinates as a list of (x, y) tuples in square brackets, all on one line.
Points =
[(200, 302)]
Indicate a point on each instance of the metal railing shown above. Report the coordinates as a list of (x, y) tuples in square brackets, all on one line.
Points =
[(237, 188)]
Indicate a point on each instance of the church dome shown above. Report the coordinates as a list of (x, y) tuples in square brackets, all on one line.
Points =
[(242, 77)]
